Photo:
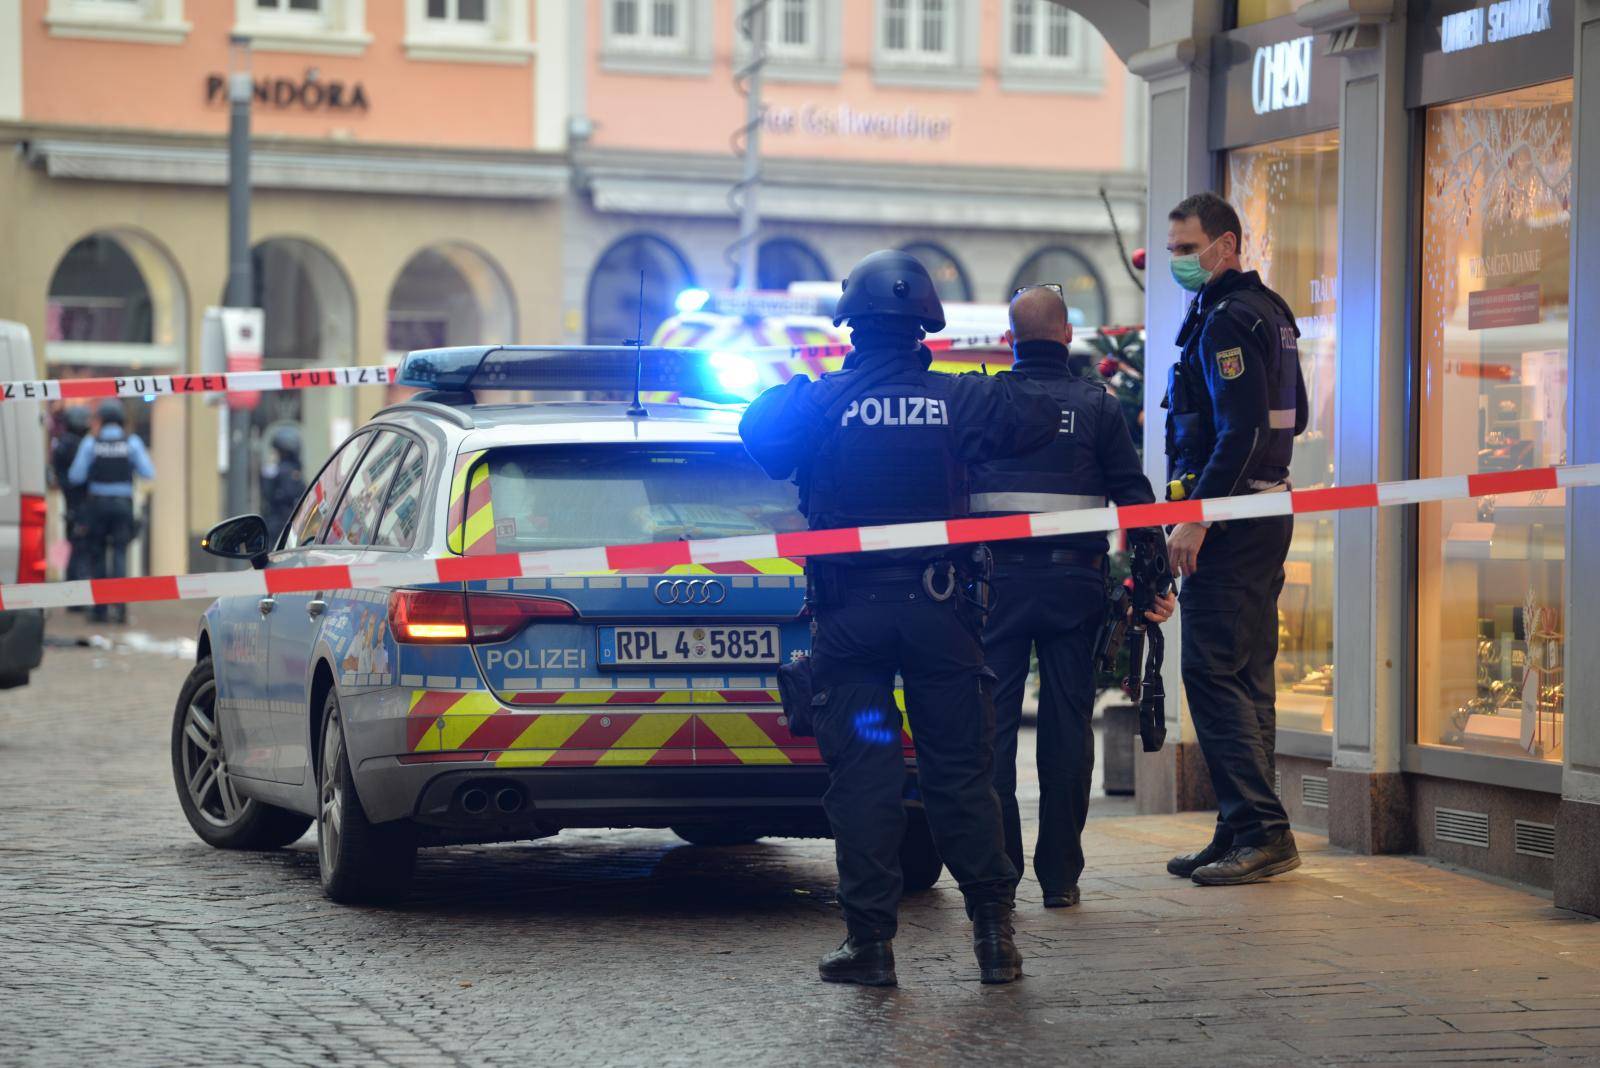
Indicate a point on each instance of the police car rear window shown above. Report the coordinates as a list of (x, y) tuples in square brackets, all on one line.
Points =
[(561, 497)]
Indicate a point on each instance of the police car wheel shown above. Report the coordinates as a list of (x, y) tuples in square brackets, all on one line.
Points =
[(920, 863), (359, 862), (716, 834), (210, 800)]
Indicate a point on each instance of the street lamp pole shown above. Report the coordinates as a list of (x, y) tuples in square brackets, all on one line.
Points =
[(241, 280)]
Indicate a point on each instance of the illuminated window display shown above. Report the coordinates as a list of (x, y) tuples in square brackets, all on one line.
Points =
[(1493, 345), (1287, 196)]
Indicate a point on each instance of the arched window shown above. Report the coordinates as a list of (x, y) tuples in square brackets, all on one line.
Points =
[(949, 277), (1080, 283), (613, 303), (450, 294), (114, 299), (782, 260)]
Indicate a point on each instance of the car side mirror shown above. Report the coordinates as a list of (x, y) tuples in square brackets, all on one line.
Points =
[(244, 537)]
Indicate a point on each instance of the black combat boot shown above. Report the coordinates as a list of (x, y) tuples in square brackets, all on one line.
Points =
[(992, 943), (1250, 864), (867, 963), (1061, 899), (1185, 865)]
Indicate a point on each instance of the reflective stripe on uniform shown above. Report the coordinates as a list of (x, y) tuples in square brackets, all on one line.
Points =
[(1016, 501), (1281, 418)]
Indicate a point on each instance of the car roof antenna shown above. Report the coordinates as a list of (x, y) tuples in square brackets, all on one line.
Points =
[(636, 410)]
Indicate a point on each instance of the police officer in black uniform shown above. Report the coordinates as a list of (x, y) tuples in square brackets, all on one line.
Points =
[(887, 441), (1050, 593), (106, 465), (1235, 402), (74, 428), (282, 481)]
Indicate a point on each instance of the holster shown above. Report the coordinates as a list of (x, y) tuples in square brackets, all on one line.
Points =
[(797, 691)]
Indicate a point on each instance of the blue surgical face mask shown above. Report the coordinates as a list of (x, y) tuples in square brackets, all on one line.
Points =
[(1188, 273)]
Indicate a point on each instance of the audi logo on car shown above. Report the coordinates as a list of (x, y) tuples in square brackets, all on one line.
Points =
[(691, 591)]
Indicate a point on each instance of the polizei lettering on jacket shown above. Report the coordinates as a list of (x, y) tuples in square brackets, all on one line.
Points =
[(897, 411)]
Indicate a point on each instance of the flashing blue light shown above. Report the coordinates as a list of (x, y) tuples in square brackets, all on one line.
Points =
[(735, 372), (872, 727), (692, 300)]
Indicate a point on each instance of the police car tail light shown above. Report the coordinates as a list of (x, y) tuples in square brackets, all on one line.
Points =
[(441, 617)]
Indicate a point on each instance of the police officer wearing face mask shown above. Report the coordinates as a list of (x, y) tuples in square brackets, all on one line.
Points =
[(1235, 403), (1050, 593), (888, 441)]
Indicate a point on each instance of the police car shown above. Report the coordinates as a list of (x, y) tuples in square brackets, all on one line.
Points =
[(506, 709)]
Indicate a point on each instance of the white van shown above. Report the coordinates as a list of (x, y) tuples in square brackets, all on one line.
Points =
[(22, 508)]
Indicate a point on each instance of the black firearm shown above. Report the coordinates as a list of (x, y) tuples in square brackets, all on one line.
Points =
[(1127, 625)]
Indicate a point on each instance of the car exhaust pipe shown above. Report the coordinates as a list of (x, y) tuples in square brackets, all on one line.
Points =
[(474, 802), (508, 800)]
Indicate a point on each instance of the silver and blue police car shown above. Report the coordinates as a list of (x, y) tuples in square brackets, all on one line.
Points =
[(509, 709)]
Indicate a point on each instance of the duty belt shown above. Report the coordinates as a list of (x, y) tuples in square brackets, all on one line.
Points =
[(1046, 557)]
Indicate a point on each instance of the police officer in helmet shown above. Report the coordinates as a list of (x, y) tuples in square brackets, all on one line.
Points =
[(888, 441), (74, 428), (282, 480), (1236, 401), (106, 465), (1050, 593)]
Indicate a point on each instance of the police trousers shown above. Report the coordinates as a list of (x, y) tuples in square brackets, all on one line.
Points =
[(1058, 612), (861, 641), (108, 523), (1229, 624)]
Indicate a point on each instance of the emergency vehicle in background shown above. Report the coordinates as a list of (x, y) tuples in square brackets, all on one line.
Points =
[(22, 508)]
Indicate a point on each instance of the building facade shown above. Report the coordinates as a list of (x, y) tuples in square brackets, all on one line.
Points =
[(1408, 175), (431, 172)]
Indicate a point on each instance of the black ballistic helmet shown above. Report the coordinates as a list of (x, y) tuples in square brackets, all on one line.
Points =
[(76, 419), (286, 439), (890, 283), (110, 411)]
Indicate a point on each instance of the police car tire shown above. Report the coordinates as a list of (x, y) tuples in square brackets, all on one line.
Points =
[(719, 834), (920, 863), (362, 862), (259, 825)]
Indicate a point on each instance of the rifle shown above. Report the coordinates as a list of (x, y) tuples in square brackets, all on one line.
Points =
[(1125, 624)]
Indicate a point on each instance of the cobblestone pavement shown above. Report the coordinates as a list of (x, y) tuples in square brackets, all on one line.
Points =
[(124, 937)]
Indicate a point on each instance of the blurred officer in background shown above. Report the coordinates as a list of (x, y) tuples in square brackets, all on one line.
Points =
[(283, 481), (74, 428), (1235, 402), (888, 441), (1050, 593), (106, 465)]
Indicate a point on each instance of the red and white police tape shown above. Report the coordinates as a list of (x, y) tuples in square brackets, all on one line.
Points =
[(56, 389), (662, 555)]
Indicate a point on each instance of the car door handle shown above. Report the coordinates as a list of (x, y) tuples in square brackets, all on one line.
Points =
[(267, 604), (316, 608)]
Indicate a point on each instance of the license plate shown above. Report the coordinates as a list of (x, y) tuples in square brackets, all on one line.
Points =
[(672, 646)]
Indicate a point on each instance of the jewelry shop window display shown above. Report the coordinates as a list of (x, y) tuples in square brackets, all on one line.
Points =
[(1493, 349), (1287, 196)]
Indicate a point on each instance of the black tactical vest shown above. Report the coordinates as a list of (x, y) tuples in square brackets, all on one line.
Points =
[(112, 464), (885, 454), (1065, 475)]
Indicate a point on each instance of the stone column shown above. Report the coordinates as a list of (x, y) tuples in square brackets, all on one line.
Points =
[(1368, 802), (1577, 865), (1177, 68)]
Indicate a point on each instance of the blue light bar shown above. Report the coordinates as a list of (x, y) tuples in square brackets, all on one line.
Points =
[(720, 377)]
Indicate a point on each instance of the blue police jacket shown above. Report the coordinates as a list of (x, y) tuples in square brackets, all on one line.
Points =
[(1236, 398), (107, 462)]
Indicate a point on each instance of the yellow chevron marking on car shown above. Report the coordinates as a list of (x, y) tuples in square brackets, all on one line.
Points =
[(456, 724), (737, 731), (716, 697), (539, 742), (458, 495), (761, 755), (644, 739)]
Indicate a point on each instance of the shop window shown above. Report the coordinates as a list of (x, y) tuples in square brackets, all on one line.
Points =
[(1287, 196), (783, 260), (1080, 284), (114, 299), (330, 26), (613, 308), (144, 21), (1496, 233), (949, 277), (449, 295)]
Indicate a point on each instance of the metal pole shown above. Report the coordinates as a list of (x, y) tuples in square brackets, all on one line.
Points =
[(742, 254), (241, 281)]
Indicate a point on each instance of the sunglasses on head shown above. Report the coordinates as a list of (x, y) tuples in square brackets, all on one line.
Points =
[(1054, 287)]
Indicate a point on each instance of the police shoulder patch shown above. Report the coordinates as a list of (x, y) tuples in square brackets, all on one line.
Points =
[(1230, 363)]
